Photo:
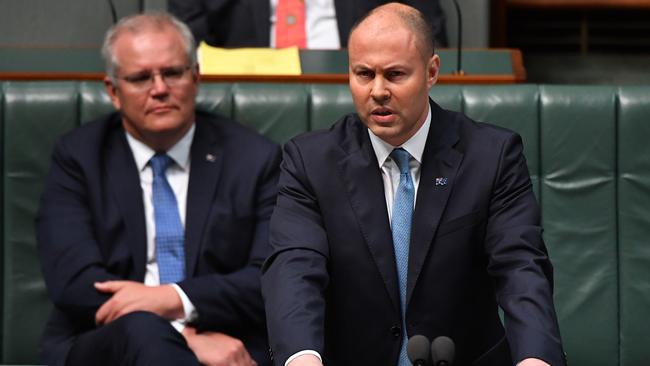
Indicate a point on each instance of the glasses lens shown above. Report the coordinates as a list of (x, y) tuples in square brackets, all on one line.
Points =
[(172, 75), (145, 79), (140, 80)]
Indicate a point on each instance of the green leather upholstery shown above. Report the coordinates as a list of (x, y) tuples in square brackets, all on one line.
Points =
[(94, 101), (578, 198), (634, 224), (217, 98), (328, 104), (34, 115), (448, 96), (275, 110), (587, 149)]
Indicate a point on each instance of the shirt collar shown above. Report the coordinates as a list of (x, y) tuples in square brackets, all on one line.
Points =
[(414, 145), (180, 152)]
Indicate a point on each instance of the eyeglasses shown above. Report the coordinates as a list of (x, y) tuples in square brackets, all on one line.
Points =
[(144, 80)]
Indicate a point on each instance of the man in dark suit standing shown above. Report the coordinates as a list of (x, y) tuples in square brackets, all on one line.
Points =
[(406, 219), (154, 220), (250, 23)]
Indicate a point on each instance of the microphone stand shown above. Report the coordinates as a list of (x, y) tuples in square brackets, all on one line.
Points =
[(459, 69), (113, 12)]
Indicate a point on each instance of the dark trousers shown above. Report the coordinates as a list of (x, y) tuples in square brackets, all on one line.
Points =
[(136, 339)]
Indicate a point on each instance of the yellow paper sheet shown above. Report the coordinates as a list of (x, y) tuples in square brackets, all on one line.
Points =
[(248, 61)]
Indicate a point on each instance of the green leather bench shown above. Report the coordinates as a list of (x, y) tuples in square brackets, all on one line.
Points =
[(587, 147)]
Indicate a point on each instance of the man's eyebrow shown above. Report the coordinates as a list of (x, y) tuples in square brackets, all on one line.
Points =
[(359, 67)]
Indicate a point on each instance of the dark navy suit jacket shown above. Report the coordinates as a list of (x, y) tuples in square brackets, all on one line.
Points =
[(91, 227), (246, 23), (330, 284)]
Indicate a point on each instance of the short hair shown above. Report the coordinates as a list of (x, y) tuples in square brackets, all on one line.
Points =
[(410, 17), (139, 22)]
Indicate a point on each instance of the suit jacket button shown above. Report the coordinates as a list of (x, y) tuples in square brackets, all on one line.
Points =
[(396, 330)]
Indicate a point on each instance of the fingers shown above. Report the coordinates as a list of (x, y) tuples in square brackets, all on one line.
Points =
[(189, 331), (241, 355), (218, 349), (109, 286), (117, 305), (109, 312), (102, 314)]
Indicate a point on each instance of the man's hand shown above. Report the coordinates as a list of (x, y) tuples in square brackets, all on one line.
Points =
[(130, 296), (305, 360), (532, 362), (217, 349)]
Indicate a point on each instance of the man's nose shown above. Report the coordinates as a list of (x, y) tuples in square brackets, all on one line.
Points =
[(158, 86), (379, 90)]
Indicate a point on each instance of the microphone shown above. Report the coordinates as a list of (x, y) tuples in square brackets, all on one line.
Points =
[(459, 69), (442, 351), (417, 350)]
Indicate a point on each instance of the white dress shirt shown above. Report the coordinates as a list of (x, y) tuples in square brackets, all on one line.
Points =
[(320, 24), (178, 176), (390, 175)]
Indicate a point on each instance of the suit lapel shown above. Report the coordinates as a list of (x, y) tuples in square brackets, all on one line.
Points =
[(123, 179), (362, 179), (440, 160), (206, 161)]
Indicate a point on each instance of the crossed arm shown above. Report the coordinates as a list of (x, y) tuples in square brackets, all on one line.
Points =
[(83, 253)]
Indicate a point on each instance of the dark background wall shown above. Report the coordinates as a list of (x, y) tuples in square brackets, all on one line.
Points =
[(617, 50), (82, 23), (62, 23), (577, 44)]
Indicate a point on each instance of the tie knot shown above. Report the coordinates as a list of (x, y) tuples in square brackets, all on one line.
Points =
[(402, 158), (159, 163)]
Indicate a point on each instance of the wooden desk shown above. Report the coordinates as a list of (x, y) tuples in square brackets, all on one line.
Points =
[(481, 66)]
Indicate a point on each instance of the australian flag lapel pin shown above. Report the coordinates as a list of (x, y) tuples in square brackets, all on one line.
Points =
[(210, 158), (441, 181)]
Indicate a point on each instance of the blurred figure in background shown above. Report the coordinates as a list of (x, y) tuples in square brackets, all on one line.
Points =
[(262, 23)]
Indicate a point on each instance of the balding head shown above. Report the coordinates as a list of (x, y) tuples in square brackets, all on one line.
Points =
[(392, 16), (392, 68)]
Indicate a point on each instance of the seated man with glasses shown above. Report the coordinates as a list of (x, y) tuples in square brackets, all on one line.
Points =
[(153, 222)]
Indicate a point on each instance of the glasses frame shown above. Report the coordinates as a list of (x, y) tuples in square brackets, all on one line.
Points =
[(171, 76)]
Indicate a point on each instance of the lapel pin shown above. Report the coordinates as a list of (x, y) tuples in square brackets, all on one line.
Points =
[(211, 158), (441, 181)]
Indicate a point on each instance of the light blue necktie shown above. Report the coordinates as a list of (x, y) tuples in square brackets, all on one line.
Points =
[(170, 235), (401, 227)]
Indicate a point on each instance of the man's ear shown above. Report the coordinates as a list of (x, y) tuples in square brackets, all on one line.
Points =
[(112, 91), (433, 68), (196, 73)]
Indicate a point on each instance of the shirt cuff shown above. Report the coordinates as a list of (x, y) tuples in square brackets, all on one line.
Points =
[(188, 308), (179, 325), (305, 352)]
